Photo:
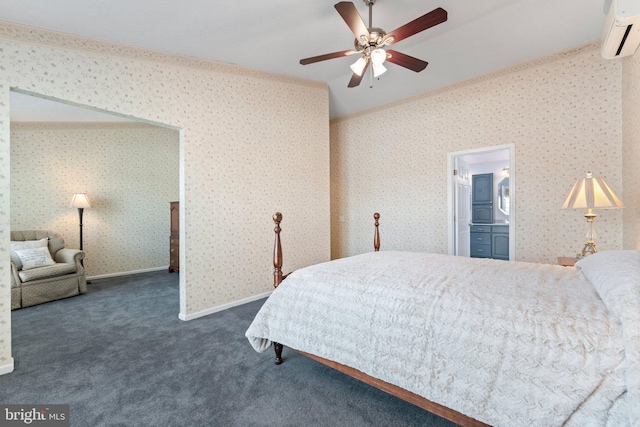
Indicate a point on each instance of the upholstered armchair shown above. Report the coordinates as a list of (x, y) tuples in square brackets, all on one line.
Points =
[(37, 277)]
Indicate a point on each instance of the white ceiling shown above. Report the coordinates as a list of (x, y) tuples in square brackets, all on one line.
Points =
[(479, 36)]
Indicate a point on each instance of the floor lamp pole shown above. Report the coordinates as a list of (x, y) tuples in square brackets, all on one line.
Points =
[(80, 201), (80, 212)]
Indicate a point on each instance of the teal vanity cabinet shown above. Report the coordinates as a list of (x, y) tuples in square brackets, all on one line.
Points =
[(480, 241), (490, 241), (482, 198), (500, 242), (488, 238)]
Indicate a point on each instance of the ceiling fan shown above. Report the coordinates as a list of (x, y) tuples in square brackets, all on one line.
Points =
[(370, 42)]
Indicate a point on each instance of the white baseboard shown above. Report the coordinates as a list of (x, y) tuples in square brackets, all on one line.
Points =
[(127, 273), (187, 317), (6, 369)]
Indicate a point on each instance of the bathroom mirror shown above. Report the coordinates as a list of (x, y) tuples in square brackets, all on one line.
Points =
[(503, 196)]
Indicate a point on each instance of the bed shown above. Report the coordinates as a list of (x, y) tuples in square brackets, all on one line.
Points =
[(476, 341)]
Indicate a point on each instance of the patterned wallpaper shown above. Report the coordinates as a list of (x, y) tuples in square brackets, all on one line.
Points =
[(631, 150), (251, 143), (130, 172), (563, 113)]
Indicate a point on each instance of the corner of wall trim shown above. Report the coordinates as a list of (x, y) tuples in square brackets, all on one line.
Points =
[(216, 309), (7, 369), (127, 273)]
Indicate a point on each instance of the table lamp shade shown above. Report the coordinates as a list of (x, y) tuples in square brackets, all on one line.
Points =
[(589, 193)]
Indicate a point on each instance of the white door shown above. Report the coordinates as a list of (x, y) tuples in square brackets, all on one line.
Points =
[(462, 213)]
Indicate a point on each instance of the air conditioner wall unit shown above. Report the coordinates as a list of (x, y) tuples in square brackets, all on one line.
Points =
[(621, 35)]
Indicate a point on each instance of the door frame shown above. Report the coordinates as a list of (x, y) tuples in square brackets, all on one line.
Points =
[(451, 229)]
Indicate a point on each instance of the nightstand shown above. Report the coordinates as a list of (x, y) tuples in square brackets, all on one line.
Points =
[(566, 261)]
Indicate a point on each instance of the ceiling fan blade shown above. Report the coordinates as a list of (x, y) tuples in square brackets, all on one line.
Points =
[(327, 56), (406, 61), (350, 14), (356, 79), (431, 19)]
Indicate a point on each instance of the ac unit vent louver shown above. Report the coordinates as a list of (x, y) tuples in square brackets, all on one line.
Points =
[(621, 35)]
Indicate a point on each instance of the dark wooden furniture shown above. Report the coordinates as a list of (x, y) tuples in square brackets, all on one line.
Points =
[(394, 390), (482, 198), (567, 261), (174, 238)]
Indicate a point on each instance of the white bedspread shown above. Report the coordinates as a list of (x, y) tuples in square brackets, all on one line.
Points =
[(507, 343)]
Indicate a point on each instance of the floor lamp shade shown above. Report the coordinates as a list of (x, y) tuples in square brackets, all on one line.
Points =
[(591, 193), (80, 200)]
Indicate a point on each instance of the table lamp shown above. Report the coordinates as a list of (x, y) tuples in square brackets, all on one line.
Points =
[(591, 193)]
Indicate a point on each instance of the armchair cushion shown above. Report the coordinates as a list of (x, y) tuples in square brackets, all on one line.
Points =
[(34, 257), (54, 270)]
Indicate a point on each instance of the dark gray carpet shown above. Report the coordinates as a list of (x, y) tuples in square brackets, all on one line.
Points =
[(120, 356)]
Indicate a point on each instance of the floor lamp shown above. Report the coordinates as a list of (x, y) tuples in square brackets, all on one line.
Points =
[(591, 193), (80, 201)]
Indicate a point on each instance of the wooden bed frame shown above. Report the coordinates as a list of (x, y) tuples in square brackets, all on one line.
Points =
[(394, 390)]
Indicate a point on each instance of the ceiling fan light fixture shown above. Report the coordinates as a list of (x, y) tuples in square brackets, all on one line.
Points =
[(378, 56), (358, 66), (378, 70)]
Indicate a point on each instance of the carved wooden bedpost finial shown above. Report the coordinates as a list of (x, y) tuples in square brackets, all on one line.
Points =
[(277, 252), (376, 235)]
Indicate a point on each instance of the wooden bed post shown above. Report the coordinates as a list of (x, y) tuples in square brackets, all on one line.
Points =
[(277, 252), (277, 273), (277, 264), (376, 235)]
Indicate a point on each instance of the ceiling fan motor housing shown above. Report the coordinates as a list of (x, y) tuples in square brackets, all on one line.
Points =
[(376, 37)]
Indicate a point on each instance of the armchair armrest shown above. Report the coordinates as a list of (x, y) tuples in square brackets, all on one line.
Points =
[(15, 279), (69, 256)]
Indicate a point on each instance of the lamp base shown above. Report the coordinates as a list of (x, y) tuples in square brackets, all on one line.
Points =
[(588, 249)]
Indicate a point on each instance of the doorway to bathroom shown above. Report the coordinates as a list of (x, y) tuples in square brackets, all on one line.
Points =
[(481, 202)]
